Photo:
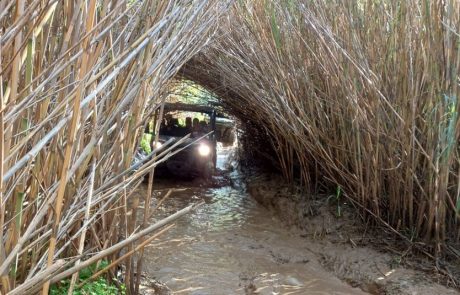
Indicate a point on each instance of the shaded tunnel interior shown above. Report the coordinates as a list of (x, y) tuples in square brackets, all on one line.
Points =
[(330, 118)]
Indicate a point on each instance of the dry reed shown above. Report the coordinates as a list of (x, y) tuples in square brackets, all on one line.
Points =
[(78, 82), (361, 95)]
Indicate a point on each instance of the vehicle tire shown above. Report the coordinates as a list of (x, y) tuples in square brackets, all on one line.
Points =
[(207, 171)]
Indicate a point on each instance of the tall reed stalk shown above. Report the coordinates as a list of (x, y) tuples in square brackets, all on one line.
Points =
[(361, 95), (78, 82)]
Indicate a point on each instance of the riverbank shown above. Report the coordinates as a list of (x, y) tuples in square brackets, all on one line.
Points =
[(337, 239)]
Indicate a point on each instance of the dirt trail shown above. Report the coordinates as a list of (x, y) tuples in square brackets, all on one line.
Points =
[(233, 245)]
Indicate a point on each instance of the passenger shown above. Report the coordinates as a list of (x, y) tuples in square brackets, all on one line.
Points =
[(168, 118), (175, 128), (195, 127), (168, 125), (204, 127), (188, 124), (196, 123)]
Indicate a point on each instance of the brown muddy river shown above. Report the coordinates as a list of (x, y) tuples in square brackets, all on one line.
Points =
[(232, 245)]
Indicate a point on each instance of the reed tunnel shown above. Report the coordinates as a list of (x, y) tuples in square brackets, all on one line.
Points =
[(357, 100)]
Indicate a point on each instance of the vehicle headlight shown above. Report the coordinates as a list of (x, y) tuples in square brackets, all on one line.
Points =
[(204, 150)]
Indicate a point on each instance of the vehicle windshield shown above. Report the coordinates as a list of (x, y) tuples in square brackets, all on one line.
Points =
[(181, 123)]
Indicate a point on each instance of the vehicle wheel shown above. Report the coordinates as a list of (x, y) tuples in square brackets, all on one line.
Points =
[(207, 171)]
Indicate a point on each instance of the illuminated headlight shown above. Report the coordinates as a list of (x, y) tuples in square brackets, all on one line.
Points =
[(204, 150), (158, 145)]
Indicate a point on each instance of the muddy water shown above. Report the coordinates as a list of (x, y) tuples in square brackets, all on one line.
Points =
[(231, 245)]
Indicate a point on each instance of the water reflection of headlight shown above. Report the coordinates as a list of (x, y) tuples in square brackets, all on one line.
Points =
[(204, 150)]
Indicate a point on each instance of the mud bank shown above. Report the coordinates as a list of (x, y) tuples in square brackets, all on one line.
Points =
[(337, 239)]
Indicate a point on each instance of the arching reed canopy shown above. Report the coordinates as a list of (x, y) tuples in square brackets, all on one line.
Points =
[(78, 80), (361, 95)]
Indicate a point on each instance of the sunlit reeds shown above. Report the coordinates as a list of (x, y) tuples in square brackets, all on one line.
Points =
[(361, 95), (78, 82)]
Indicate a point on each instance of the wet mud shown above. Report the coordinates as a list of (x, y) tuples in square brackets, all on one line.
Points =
[(363, 257), (233, 244)]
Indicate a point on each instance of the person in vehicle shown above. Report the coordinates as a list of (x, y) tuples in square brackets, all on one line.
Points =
[(188, 125), (203, 127), (175, 127), (195, 127), (166, 125)]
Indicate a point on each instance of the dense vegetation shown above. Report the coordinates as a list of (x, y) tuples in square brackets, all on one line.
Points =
[(360, 95), (78, 82)]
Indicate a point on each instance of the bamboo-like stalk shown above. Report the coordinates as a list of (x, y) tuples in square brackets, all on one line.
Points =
[(78, 79), (81, 243), (5, 282), (84, 65), (360, 95)]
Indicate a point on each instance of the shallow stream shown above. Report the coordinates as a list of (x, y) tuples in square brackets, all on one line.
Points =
[(232, 245)]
